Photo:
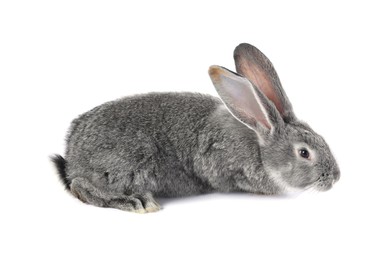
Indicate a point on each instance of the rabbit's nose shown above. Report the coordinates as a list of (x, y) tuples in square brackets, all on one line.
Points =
[(336, 175)]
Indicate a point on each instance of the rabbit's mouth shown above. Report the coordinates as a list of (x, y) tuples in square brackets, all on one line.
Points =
[(323, 186)]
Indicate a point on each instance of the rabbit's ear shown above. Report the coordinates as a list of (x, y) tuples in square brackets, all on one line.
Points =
[(245, 102), (256, 67)]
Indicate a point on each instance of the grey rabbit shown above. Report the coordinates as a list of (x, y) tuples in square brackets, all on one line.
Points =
[(124, 153)]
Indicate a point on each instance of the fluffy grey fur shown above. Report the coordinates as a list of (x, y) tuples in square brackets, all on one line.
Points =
[(124, 153)]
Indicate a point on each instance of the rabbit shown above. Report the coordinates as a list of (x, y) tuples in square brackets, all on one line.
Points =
[(125, 153)]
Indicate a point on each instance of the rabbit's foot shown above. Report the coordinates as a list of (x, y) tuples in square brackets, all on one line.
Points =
[(136, 203)]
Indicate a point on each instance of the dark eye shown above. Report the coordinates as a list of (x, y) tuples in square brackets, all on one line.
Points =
[(304, 153)]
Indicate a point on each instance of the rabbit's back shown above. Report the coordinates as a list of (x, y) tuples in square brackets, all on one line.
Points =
[(144, 142)]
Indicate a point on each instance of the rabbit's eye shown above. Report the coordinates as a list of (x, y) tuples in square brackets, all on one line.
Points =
[(304, 153)]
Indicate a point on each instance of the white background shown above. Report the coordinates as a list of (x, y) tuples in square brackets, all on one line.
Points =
[(61, 58)]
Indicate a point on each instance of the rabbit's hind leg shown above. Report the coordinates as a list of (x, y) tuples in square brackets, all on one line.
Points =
[(136, 202), (88, 193)]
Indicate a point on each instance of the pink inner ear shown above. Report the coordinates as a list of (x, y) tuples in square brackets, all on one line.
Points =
[(262, 81), (242, 101), (249, 109)]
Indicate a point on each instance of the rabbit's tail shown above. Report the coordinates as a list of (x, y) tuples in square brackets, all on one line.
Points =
[(60, 164)]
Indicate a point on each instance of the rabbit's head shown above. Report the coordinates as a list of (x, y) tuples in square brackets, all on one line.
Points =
[(292, 153)]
